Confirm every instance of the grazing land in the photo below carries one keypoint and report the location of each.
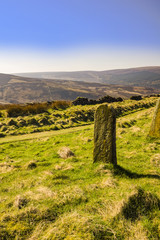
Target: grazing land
(45, 195)
(24, 119)
(16, 89)
(142, 76)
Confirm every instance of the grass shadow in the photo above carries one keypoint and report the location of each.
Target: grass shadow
(140, 204)
(120, 171)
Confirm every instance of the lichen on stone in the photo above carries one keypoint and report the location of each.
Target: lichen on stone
(155, 125)
(105, 135)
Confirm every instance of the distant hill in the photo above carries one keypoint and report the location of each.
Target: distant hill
(16, 89)
(143, 76)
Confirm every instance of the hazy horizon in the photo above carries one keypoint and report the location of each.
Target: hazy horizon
(89, 70)
(38, 36)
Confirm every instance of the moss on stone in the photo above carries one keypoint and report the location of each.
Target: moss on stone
(155, 126)
(105, 135)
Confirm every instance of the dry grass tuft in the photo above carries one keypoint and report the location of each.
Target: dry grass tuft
(71, 194)
(152, 146)
(63, 166)
(101, 169)
(31, 165)
(65, 152)
(135, 129)
(38, 231)
(155, 159)
(41, 193)
(46, 191)
(20, 201)
(5, 167)
(140, 204)
(109, 182)
(136, 231)
(74, 225)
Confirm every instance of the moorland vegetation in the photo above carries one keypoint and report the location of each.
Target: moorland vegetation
(45, 194)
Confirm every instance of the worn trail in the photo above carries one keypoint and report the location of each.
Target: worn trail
(39, 135)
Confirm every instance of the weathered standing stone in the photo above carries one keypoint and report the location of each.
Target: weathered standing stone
(105, 135)
(155, 126)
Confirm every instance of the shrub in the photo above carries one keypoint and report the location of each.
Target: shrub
(85, 101)
(15, 110)
(136, 98)
(80, 101)
(60, 104)
(24, 110)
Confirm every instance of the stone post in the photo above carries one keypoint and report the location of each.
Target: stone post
(105, 135)
(155, 125)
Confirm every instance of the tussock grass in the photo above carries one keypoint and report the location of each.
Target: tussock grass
(65, 152)
(38, 117)
(73, 198)
(15, 110)
(139, 204)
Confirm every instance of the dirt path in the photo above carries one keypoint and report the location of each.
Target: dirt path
(42, 134)
(38, 135)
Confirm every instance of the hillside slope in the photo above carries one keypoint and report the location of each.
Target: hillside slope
(15, 89)
(44, 196)
(143, 76)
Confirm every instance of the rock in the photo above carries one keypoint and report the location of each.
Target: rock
(155, 126)
(105, 135)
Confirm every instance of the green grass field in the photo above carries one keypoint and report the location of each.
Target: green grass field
(44, 196)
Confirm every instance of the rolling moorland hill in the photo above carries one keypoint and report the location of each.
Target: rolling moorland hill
(47, 195)
(16, 89)
(142, 76)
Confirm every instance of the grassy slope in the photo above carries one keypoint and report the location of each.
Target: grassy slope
(73, 116)
(75, 199)
(14, 89)
(142, 76)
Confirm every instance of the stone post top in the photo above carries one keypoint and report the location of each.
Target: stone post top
(105, 106)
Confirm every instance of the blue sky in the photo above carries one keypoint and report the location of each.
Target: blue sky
(69, 35)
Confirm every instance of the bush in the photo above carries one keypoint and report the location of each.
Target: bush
(15, 110)
(85, 101)
(60, 104)
(137, 98)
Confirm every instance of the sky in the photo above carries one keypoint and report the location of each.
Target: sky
(70, 35)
